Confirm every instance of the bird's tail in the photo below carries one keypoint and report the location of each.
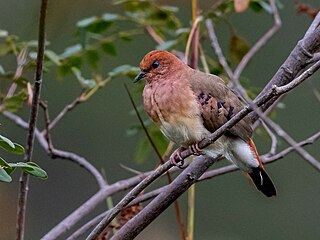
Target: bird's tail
(260, 177)
(263, 182)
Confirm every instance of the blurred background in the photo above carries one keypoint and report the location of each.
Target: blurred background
(227, 207)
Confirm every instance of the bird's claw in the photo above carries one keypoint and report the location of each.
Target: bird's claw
(177, 155)
(194, 148)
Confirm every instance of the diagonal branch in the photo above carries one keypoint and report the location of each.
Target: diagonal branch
(204, 143)
(259, 44)
(266, 159)
(298, 59)
(165, 198)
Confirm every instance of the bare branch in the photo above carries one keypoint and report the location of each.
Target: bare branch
(297, 60)
(91, 203)
(204, 143)
(154, 35)
(129, 197)
(266, 159)
(262, 41)
(216, 47)
(66, 109)
(274, 140)
(24, 178)
(165, 198)
(56, 153)
(194, 28)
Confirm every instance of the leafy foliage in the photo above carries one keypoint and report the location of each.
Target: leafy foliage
(6, 169)
(98, 36)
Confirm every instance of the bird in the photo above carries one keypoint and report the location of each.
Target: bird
(188, 105)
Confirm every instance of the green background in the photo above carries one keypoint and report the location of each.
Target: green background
(227, 207)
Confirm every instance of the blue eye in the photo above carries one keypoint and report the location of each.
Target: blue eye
(155, 64)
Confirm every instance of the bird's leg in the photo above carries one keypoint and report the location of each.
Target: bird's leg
(194, 148)
(177, 155)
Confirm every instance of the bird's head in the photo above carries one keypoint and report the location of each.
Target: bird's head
(158, 65)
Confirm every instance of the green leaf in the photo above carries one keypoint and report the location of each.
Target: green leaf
(238, 48)
(4, 49)
(3, 163)
(109, 17)
(2, 71)
(71, 51)
(34, 43)
(15, 102)
(3, 33)
(30, 168)
(259, 6)
(86, 22)
(134, 6)
(109, 48)
(53, 57)
(4, 176)
(18, 149)
(86, 83)
(6, 142)
(143, 150)
(95, 24)
(124, 70)
(93, 57)
(35, 170)
(69, 63)
(167, 45)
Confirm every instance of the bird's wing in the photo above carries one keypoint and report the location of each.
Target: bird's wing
(218, 104)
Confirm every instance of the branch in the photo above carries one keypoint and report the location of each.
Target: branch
(266, 159)
(24, 178)
(259, 44)
(171, 192)
(91, 203)
(298, 59)
(129, 197)
(66, 109)
(56, 153)
(204, 143)
(133, 227)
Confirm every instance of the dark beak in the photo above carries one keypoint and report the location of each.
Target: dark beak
(140, 76)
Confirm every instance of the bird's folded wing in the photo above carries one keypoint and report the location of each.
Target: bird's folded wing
(218, 104)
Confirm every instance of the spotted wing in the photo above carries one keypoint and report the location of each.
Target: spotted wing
(218, 104)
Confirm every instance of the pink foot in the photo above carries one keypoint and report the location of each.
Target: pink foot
(194, 148)
(176, 156)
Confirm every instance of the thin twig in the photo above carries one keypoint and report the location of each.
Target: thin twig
(154, 35)
(273, 138)
(297, 60)
(56, 153)
(128, 198)
(176, 203)
(216, 47)
(46, 134)
(262, 41)
(193, 30)
(24, 179)
(66, 109)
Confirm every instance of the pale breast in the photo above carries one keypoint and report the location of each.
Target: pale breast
(174, 109)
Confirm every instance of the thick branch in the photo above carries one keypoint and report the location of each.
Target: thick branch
(24, 179)
(204, 143)
(165, 198)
